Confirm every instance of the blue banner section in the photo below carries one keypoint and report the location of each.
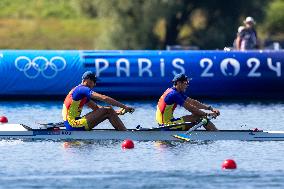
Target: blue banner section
(143, 73)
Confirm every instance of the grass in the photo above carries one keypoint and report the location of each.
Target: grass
(50, 33)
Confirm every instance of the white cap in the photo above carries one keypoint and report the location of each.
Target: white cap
(249, 19)
(240, 29)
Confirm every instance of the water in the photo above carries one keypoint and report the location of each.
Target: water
(103, 164)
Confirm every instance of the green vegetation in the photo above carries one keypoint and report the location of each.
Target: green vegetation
(133, 24)
(274, 23)
(39, 9)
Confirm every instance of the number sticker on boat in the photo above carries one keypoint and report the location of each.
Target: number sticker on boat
(66, 132)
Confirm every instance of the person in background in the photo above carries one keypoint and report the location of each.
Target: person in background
(176, 96)
(83, 94)
(247, 39)
(240, 29)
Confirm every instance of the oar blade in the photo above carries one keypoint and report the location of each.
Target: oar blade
(184, 137)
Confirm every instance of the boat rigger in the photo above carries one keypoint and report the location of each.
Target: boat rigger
(19, 131)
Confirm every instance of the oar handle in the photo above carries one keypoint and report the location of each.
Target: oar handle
(123, 111)
(204, 121)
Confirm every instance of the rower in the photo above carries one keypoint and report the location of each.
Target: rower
(83, 94)
(176, 96)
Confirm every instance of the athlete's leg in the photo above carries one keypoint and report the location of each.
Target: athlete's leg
(98, 116)
(210, 127)
(194, 118)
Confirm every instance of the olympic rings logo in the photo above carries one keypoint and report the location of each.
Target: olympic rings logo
(40, 65)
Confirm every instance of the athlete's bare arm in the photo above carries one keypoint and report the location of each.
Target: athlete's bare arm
(197, 104)
(111, 101)
(200, 105)
(196, 111)
(91, 104)
(193, 109)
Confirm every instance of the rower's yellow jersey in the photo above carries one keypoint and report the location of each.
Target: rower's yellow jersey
(72, 108)
(167, 104)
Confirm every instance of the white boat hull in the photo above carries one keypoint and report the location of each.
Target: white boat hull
(17, 131)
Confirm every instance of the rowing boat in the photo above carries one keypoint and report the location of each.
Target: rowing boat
(20, 131)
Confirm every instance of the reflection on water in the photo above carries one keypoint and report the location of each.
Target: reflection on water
(90, 143)
(178, 144)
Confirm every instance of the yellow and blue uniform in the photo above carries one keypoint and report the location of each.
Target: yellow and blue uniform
(72, 108)
(167, 104)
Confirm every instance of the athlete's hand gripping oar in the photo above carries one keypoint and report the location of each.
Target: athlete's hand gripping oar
(185, 135)
(123, 111)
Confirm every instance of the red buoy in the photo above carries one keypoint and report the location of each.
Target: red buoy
(127, 144)
(3, 119)
(229, 164)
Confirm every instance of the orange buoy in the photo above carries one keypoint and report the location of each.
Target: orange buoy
(229, 164)
(3, 119)
(127, 144)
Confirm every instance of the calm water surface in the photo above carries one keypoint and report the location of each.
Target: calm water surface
(103, 164)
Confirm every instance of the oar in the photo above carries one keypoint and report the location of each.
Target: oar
(165, 126)
(50, 125)
(185, 135)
